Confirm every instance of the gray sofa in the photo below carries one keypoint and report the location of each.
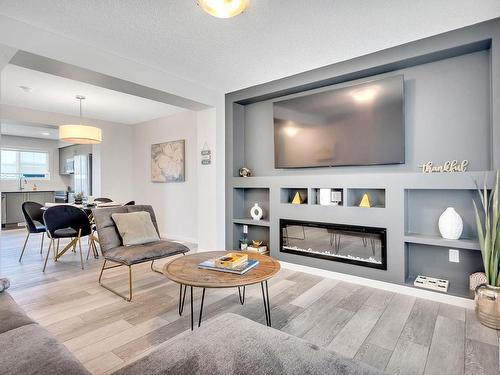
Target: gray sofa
(227, 344)
(27, 348)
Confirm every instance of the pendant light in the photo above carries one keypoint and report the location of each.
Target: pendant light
(223, 8)
(80, 134)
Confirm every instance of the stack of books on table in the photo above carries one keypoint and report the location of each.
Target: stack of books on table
(233, 263)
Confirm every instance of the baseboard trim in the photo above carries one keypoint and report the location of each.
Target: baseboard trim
(420, 293)
(175, 237)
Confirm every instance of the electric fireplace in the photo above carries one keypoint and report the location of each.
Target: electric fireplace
(360, 245)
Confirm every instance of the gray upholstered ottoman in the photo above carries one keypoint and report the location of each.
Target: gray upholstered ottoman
(231, 344)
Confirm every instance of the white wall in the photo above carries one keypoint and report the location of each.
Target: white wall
(112, 173)
(175, 203)
(207, 191)
(56, 182)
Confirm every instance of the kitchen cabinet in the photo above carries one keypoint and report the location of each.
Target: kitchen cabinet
(12, 202)
(4, 209)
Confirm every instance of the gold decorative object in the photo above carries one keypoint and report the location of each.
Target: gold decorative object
(365, 201)
(446, 167)
(297, 199)
(256, 243)
(245, 172)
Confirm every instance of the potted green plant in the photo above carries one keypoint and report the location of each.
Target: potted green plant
(487, 222)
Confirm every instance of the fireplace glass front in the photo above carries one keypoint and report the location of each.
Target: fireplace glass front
(365, 246)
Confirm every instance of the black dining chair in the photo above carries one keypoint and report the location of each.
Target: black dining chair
(66, 222)
(103, 200)
(33, 217)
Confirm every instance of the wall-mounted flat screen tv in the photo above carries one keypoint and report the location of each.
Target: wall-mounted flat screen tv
(362, 124)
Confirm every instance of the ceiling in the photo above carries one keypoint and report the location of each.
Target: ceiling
(272, 39)
(57, 94)
(32, 130)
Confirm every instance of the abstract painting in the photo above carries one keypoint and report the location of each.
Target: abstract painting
(167, 162)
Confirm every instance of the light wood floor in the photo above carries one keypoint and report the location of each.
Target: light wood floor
(398, 333)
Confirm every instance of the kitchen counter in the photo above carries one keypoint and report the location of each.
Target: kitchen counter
(28, 191)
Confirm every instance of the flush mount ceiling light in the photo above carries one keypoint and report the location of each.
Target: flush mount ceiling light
(80, 134)
(223, 8)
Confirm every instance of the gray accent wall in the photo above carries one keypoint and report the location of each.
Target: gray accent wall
(452, 111)
(447, 103)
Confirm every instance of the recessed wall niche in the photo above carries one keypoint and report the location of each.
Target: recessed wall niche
(450, 93)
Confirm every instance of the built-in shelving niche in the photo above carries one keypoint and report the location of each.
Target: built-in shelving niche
(376, 197)
(427, 253)
(424, 206)
(336, 197)
(433, 261)
(287, 194)
(255, 232)
(243, 200)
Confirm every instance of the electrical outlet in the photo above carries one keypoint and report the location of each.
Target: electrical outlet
(245, 229)
(453, 255)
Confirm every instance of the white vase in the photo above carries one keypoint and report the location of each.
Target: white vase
(450, 224)
(256, 212)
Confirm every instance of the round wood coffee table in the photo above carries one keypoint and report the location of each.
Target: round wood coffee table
(185, 272)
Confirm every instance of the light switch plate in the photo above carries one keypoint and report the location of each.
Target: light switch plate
(245, 229)
(454, 256)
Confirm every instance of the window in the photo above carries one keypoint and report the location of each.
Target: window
(24, 163)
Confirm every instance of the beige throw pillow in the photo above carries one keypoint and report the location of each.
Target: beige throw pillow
(135, 228)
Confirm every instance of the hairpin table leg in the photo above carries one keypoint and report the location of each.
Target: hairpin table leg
(241, 295)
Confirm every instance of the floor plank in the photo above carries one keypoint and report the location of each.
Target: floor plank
(452, 312)
(390, 325)
(314, 293)
(478, 332)
(373, 355)
(408, 358)
(354, 333)
(480, 358)
(420, 324)
(447, 349)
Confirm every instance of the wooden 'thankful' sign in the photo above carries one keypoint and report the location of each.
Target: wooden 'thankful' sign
(446, 167)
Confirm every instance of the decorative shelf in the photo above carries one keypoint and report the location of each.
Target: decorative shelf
(454, 289)
(376, 197)
(423, 239)
(245, 198)
(316, 193)
(260, 223)
(287, 195)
